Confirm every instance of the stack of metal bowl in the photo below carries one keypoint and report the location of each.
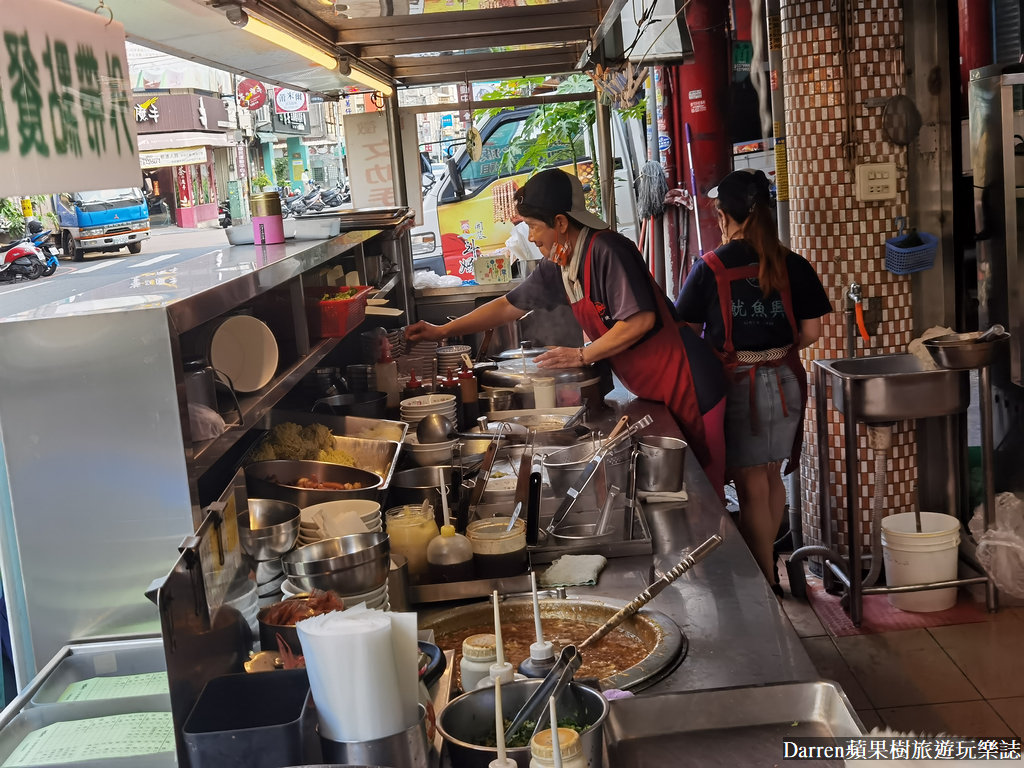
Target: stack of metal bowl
(347, 565)
(268, 529)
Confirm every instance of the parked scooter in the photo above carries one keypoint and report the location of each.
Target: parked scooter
(21, 260)
(308, 202)
(42, 239)
(224, 214)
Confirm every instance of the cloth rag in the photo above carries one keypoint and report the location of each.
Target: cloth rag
(918, 350)
(573, 571)
(663, 497)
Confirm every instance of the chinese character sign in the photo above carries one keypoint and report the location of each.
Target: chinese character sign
(67, 123)
(369, 160)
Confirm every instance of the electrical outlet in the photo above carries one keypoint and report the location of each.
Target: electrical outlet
(876, 181)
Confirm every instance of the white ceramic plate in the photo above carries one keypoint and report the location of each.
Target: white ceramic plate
(244, 349)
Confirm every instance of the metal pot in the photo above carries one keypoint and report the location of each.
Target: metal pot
(469, 719)
(659, 464)
(369, 405)
(268, 480)
(413, 486)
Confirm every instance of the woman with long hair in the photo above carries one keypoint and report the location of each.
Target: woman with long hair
(759, 304)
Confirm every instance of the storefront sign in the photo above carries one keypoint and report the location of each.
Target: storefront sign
(369, 157)
(252, 94)
(171, 112)
(147, 110)
(168, 157)
(287, 100)
(66, 121)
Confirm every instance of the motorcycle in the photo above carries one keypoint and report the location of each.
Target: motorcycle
(224, 214)
(308, 202)
(21, 260)
(42, 239)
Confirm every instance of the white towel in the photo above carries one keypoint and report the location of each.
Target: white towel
(663, 497)
(573, 571)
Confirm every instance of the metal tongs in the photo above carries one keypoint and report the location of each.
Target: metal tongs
(556, 680)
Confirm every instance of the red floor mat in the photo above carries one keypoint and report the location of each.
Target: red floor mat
(880, 616)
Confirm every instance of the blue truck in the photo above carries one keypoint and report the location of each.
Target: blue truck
(101, 221)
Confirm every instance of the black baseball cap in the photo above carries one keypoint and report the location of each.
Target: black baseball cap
(740, 191)
(555, 191)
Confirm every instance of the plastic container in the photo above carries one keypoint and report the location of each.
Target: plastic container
(411, 529)
(921, 558)
(335, 318)
(544, 392)
(496, 552)
(570, 747)
(267, 224)
(449, 557)
(255, 721)
(478, 653)
(540, 661)
(386, 371)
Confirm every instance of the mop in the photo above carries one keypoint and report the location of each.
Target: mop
(650, 192)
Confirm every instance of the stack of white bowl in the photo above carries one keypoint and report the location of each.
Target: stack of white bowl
(244, 599)
(378, 598)
(429, 454)
(331, 513)
(415, 409)
(450, 358)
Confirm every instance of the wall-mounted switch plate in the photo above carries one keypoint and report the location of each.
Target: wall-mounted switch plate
(876, 181)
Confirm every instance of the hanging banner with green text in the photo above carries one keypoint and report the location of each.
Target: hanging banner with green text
(65, 116)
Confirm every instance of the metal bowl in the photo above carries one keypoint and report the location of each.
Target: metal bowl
(469, 719)
(274, 480)
(414, 486)
(348, 565)
(268, 529)
(960, 351)
(371, 405)
(582, 533)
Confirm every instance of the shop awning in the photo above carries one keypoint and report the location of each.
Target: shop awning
(182, 139)
(162, 158)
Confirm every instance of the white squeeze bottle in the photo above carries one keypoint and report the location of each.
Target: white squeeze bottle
(387, 376)
(450, 555)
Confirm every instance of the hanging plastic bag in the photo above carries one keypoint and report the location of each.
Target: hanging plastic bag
(519, 244)
(1001, 548)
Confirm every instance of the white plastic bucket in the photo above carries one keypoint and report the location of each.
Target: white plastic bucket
(920, 558)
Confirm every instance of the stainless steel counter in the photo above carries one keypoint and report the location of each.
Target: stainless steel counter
(738, 634)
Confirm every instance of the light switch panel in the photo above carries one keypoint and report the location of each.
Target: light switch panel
(876, 181)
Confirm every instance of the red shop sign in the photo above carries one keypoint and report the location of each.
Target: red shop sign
(252, 94)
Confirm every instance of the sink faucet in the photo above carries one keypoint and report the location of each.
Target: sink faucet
(855, 318)
(854, 293)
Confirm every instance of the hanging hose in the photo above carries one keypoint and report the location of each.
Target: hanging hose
(880, 440)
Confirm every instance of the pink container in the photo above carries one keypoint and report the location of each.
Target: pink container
(267, 224)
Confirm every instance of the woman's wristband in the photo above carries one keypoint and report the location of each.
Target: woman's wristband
(580, 353)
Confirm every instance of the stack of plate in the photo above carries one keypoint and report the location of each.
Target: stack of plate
(324, 521)
(244, 349)
(396, 339)
(450, 358)
(378, 598)
(419, 357)
(245, 600)
(414, 409)
(269, 577)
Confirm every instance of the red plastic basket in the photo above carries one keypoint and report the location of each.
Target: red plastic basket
(336, 317)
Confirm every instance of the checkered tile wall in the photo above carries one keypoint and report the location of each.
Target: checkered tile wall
(837, 67)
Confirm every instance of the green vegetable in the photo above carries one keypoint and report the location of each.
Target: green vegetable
(346, 294)
(521, 738)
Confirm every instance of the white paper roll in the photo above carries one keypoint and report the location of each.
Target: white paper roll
(351, 665)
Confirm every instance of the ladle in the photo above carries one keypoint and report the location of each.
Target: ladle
(991, 334)
(437, 428)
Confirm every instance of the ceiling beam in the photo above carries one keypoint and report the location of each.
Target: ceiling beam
(447, 19)
(509, 38)
(413, 32)
(492, 70)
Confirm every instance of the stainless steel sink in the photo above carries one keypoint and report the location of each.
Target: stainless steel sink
(886, 388)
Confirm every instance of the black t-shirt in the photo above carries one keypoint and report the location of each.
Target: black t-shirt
(621, 283)
(757, 322)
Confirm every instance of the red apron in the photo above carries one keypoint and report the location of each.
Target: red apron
(724, 277)
(654, 369)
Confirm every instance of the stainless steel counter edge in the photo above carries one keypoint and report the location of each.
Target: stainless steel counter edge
(738, 633)
(485, 289)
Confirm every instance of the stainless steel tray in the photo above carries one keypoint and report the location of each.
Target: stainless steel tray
(728, 726)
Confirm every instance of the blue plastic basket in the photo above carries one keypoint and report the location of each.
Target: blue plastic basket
(903, 261)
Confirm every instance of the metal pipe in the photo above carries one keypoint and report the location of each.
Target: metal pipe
(605, 163)
(852, 511)
(988, 469)
(397, 157)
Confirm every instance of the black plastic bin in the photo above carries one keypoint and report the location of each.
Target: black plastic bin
(261, 720)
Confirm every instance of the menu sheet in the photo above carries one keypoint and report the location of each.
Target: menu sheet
(95, 738)
(116, 687)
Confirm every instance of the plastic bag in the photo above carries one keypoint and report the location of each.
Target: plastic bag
(1001, 548)
(424, 278)
(519, 244)
(204, 422)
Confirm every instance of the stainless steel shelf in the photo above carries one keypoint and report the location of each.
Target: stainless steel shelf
(255, 407)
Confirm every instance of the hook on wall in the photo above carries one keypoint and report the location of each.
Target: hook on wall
(103, 7)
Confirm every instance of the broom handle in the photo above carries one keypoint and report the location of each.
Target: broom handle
(693, 188)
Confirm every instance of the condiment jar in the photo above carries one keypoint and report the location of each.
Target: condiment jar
(570, 747)
(449, 557)
(410, 529)
(497, 552)
(540, 661)
(478, 653)
(386, 371)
